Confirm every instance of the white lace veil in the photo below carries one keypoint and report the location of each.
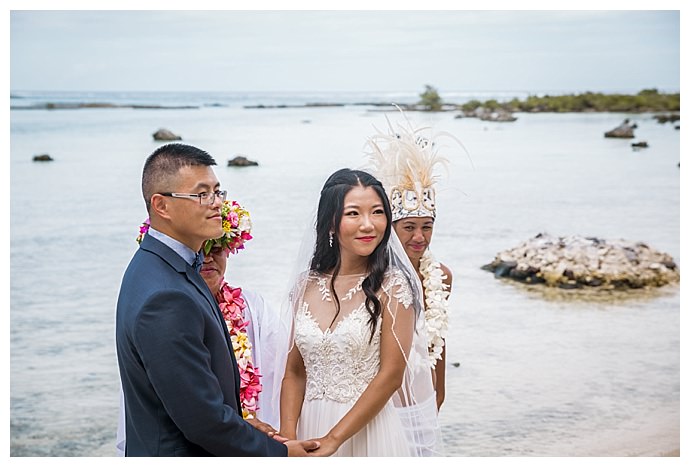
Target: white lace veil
(415, 401)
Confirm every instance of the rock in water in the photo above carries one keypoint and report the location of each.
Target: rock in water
(43, 158)
(241, 161)
(624, 130)
(165, 135)
(579, 262)
(667, 118)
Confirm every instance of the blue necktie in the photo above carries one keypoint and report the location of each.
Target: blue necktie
(198, 261)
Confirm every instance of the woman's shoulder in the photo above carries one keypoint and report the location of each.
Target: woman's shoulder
(430, 265)
(396, 278)
(394, 274)
(304, 280)
(396, 285)
(447, 272)
(308, 276)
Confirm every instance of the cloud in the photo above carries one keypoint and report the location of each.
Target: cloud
(343, 50)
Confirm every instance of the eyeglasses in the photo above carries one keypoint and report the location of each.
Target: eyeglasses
(205, 199)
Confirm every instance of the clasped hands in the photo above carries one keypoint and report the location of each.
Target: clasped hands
(320, 447)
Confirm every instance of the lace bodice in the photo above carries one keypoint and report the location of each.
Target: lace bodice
(339, 363)
(339, 359)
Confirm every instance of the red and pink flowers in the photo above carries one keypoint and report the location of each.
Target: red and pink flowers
(237, 225)
(232, 306)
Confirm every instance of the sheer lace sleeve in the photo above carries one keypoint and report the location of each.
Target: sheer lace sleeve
(415, 401)
(397, 302)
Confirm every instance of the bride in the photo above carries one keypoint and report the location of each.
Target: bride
(357, 378)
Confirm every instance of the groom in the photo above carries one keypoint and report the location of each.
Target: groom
(179, 373)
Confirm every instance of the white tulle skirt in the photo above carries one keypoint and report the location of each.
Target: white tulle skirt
(382, 436)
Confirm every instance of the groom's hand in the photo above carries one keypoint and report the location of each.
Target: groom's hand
(299, 448)
(263, 427)
(278, 437)
(267, 429)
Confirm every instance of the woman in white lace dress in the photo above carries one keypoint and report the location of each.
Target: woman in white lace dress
(353, 375)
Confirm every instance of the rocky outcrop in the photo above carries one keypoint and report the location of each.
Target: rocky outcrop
(585, 262)
(43, 158)
(488, 115)
(624, 130)
(93, 105)
(667, 118)
(166, 135)
(241, 161)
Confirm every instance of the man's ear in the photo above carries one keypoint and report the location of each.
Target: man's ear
(160, 206)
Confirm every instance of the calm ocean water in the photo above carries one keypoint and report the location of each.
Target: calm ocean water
(538, 374)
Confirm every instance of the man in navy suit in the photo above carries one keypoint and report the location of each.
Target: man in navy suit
(179, 373)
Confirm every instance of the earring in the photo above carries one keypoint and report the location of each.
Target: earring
(330, 239)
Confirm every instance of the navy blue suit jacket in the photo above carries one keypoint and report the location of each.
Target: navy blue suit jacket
(178, 371)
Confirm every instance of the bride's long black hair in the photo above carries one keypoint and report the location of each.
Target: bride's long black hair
(327, 259)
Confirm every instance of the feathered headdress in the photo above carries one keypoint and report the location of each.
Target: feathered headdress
(404, 159)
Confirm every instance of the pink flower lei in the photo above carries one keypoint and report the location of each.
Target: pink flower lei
(232, 306)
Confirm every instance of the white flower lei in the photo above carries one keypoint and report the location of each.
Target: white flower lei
(435, 305)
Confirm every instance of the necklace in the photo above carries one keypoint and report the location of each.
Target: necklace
(435, 305)
(232, 306)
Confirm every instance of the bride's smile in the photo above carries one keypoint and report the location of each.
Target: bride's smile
(362, 225)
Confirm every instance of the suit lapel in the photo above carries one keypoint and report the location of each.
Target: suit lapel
(180, 265)
(196, 279)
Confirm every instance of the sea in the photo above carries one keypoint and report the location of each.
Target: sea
(531, 371)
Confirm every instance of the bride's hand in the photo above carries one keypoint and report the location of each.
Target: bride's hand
(327, 446)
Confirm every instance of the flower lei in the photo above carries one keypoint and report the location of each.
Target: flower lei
(436, 305)
(237, 225)
(232, 306)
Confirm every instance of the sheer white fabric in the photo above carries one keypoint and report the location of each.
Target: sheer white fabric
(262, 332)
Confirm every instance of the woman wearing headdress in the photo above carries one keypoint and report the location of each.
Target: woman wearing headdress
(250, 321)
(355, 375)
(404, 160)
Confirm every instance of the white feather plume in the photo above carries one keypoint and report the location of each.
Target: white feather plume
(404, 155)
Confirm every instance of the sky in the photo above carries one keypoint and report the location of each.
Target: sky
(358, 51)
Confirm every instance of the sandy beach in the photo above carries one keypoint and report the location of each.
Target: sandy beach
(661, 438)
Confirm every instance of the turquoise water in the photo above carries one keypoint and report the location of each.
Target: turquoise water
(538, 375)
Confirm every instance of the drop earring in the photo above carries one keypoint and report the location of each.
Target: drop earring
(330, 239)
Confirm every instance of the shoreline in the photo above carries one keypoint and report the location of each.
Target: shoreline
(379, 107)
(646, 101)
(97, 105)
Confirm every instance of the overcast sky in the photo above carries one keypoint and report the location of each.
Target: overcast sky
(570, 51)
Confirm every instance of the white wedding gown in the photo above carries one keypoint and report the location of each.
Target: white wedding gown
(340, 361)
